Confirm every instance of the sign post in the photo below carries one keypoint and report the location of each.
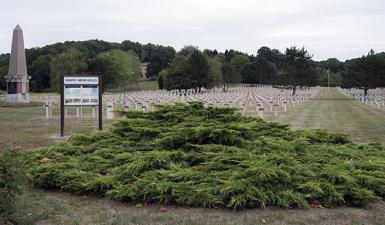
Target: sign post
(80, 91)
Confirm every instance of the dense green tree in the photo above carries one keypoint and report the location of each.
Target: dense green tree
(3, 73)
(249, 73)
(199, 69)
(133, 46)
(230, 76)
(190, 69)
(4, 61)
(119, 69)
(188, 50)
(41, 73)
(211, 53)
(260, 71)
(366, 72)
(299, 70)
(238, 61)
(274, 56)
(332, 65)
(266, 70)
(215, 76)
(229, 54)
(158, 58)
(262, 68)
(179, 74)
(70, 62)
(160, 79)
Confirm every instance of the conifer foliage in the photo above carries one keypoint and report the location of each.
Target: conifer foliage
(189, 155)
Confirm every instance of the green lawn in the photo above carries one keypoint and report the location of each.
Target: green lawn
(148, 85)
(27, 128)
(333, 111)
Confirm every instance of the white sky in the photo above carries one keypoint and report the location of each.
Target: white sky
(327, 28)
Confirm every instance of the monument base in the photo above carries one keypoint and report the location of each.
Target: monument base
(17, 98)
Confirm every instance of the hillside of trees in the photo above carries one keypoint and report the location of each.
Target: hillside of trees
(191, 68)
(45, 64)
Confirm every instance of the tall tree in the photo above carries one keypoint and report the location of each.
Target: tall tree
(215, 76)
(211, 53)
(366, 72)
(119, 69)
(271, 55)
(158, 58)
(199, 69)
(70, 62)
(332, 65)
(229, 75)
(238, 61)
(266, 70)
(260, 71)
(4, 61)
(178, 76)
(249, 73)
(188, 50)
(162, 74)
(299, 70)
(40, 73)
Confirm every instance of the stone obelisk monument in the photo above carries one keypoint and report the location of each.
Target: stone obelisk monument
(17, 79)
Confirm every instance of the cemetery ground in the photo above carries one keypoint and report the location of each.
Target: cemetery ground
(331, 110)
(26, 128)
(148, 85)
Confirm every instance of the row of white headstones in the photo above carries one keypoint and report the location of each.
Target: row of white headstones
(374, 97)
(250, 100)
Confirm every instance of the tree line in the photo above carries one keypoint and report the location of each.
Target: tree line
(195, 69)
(191, 68)
(119, 63)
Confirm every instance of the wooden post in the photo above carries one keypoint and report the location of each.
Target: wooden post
(100, 103)
(62, 106)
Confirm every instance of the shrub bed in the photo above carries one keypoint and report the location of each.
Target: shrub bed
(11, 181)
(189, 155)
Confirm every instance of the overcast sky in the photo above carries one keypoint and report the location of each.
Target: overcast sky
(326, 28)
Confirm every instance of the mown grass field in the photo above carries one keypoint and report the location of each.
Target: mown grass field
(148, 85)
(333, 111)
(27, 128)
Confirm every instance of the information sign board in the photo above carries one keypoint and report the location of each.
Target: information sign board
(80, 91)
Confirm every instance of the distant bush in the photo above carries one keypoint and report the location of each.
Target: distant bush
(193, 156)
(10, 183)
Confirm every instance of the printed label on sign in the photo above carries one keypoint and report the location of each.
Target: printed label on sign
(81, 80)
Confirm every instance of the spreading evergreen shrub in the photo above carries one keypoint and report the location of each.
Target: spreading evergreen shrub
(11, 179)
(209, 157)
